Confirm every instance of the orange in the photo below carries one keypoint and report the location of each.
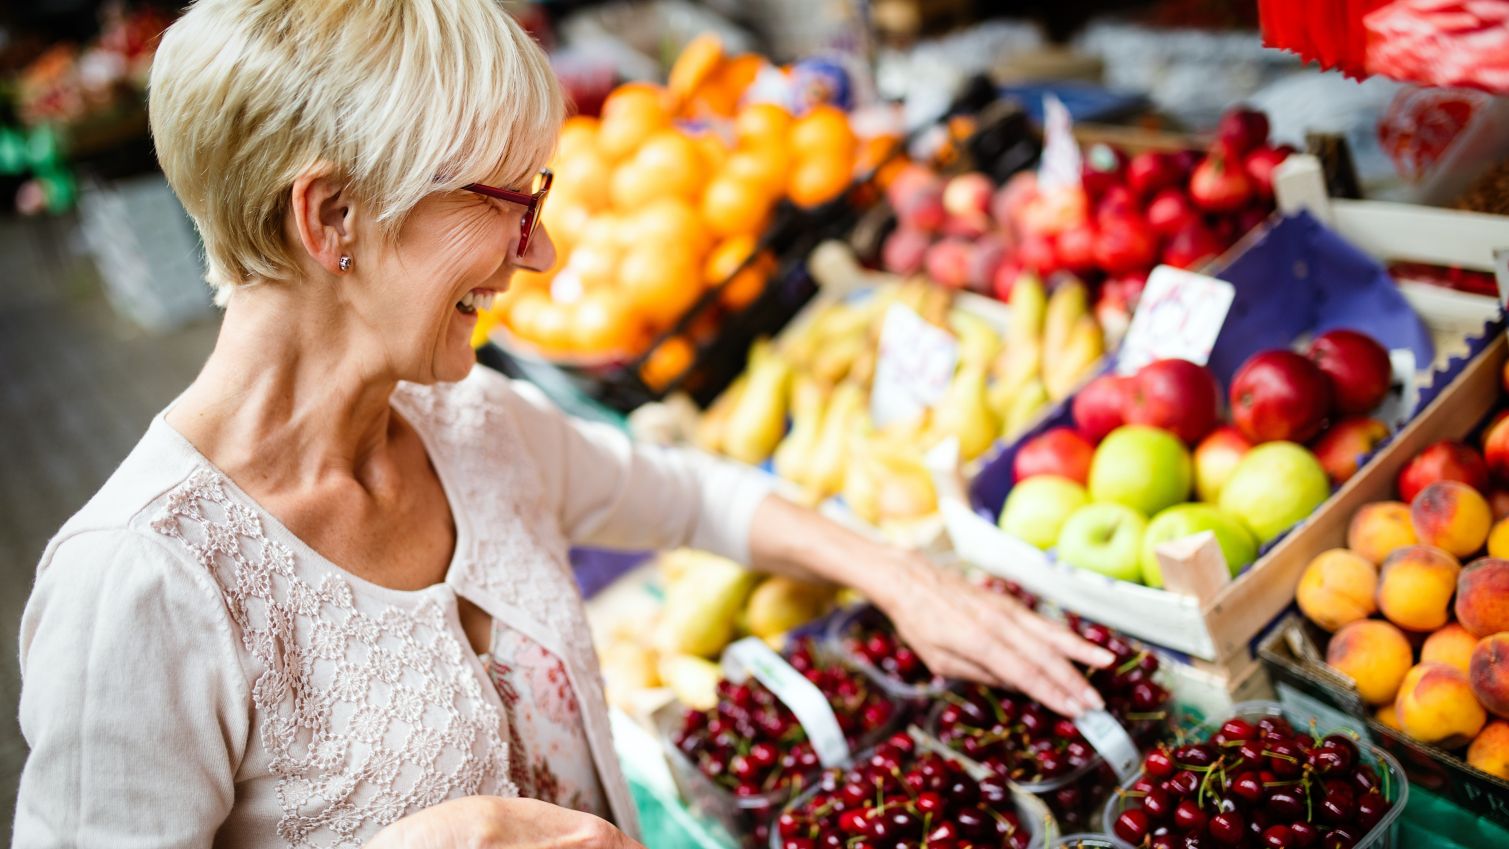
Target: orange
(824, 128)
(606, 230)
(605, 323)
(733, 205)
(674, 161)
(668, 361)
(662, 280)
(524, 312)
(633, 188)
(668, 221)
(578, 133)
(820, 178)
(736, 74)
(763, 122)
(725, 259)
(767, 165)
(698, 61)
(714, 151)
(565, 220)
(584, 175)
(552, 327)
(620, 137)
(595, 264)
(643, 99)
(876, 151)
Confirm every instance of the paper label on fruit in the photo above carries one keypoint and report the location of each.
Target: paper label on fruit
(913, 370)
(1060, 165)
(750, 656)
(1112, 741)
(1179, 316)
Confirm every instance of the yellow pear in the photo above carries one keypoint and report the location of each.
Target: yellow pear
(979, 341)
(1073, 362)
(759, 419)
(793, 457)
(1019, 363)
(1069, 301)
(693, 680)
(1029, 300)
(779, 604)
(1024, 408)
(845, 408)
(964, 412)
(708, 434)
(702, 606)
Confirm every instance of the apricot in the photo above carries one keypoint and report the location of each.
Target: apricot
(1388, 717)
(1379, 529)
(1337, 588)
(1498, 539)
(1483, 596)
(1488, 673)
(1451, 516)
(1415, 587)
(1489, 751)
(1436, 705)
(1451, 645)
(1375, 655)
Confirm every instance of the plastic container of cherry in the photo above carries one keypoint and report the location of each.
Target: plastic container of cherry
(1048, 755)
(740, 761)
(868, 641)
(910, 791)
(1263, 778)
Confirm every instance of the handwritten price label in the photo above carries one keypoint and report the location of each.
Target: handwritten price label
(913, 370)
(1180, 315)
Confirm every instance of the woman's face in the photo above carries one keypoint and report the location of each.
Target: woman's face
(454, 253)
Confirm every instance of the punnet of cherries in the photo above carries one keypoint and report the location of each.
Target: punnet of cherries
(751, 744)
(870, 637)
(1029, 744)
(898, 797)
(1254, 783)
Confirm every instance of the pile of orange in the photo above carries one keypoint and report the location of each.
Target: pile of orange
(646, 216)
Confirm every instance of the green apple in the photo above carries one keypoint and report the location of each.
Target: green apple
(1104, 538)
(1275, 486)
(1037, 507)
(1144, 468)
(1185, 520)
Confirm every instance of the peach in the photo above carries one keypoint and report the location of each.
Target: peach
(1489, 751)
(1388, 717)
(1451, 645)
(1415, 587)
(1375, 655)
(1499, 539)
(1488, 673)
(904, 250)
(1436, 705)
(1451, 516)
(947, 263)
(1483, 596)
(1379, 529)
(1337, 588)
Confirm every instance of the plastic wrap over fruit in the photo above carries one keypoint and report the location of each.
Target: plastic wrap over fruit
(1441, 43)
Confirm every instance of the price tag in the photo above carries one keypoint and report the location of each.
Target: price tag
(1112, 741)
(1060, 165)
(914, 367)
(750, 656)
(1180, 315)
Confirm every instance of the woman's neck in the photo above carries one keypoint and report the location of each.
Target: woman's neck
(294, 391)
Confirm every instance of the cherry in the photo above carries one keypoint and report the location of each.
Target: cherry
(1286, 803)
(1278, 837)
(1184, 783)
(1189, 817)
(1132, 825)
(1158, 803)
(1158, 763)
(1238, 729)
(1285, 759)
(1339, 838)
(1248, 787)
(1371, 806)
(1228, 828)
(1305, 834)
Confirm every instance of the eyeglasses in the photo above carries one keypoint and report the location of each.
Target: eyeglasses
(532, 201)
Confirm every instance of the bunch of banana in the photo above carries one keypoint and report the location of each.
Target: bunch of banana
(1052, 344)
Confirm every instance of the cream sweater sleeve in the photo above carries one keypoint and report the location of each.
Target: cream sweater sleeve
(614, 493)
(133, 699)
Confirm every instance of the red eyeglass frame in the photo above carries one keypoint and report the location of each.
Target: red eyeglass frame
(532, 202)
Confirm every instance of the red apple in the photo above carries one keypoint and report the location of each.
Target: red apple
(1100, 407)
(1171, 211)
(1345, 442)
(1259, 165)
(1150, 171)
(1492, 423)
(1009, 201)
(1215, 458)
(1176, 395)
(1443, 461)
(947, 262)
(1358, 368)
(1005, 278)
(1126, 246)
(1496, 449)
(1116, 205)
(1103, 167)
(1280, 395)
(1076, 248)
(1039, 253)
(1219, 184)
(1059, 451)
(904, 250)
(1191, 246)
(1242, 130)
(968, 195)
(920, 207)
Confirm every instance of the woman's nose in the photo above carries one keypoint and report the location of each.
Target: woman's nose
(541, 253)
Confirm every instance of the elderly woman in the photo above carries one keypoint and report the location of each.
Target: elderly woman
(325, 601)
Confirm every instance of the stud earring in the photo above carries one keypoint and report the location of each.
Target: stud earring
(345, 263)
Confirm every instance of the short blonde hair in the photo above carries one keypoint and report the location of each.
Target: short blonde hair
(402, 97)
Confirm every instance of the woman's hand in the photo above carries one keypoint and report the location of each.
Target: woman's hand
(490, 822)
(963, 631)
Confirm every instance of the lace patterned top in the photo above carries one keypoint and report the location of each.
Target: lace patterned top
(194, 675)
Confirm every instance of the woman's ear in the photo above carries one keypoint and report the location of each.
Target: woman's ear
(322, 217)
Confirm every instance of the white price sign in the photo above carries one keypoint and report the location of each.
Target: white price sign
(1180, 315)
(750, 656)
(915, 365)
(1060, 165)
